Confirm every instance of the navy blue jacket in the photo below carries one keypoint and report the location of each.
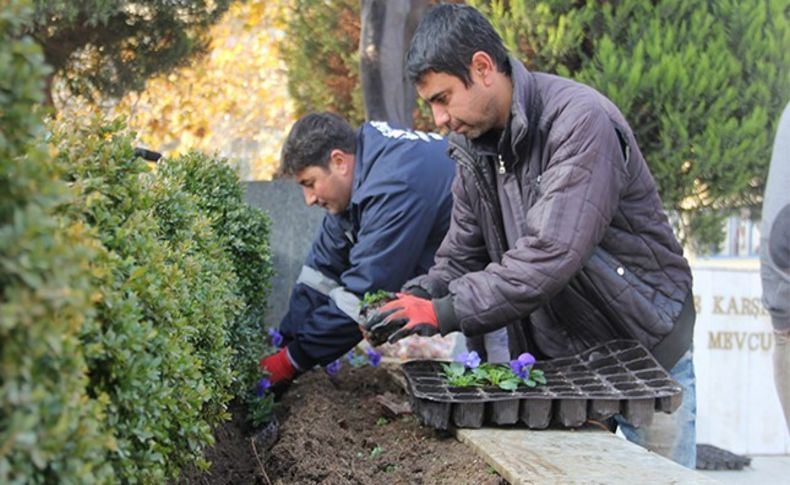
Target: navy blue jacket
(397, 217)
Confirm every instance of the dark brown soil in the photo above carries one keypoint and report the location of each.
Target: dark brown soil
(333, 430)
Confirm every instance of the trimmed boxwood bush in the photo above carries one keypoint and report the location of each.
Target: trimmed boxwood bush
(244, 232)
(51, 430)
(149, 333)
(131, 300)
(157, 347)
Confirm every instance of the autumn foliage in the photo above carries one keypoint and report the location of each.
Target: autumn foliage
(233, 101)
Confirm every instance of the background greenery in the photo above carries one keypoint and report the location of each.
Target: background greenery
(702, 83)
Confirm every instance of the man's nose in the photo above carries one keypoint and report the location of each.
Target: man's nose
(309, 196)
(440, 116)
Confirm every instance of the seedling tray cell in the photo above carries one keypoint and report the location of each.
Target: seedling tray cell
(618, 377)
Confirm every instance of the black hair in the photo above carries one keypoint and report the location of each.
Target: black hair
(311, 140)
(447, 38)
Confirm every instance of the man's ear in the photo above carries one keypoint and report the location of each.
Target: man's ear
(340, 161)
(482, 68)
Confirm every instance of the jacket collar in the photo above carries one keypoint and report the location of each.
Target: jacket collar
(521, 106)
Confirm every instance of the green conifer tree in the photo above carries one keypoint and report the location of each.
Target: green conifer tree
(702, 83)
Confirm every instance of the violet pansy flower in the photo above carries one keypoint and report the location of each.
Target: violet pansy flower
(277, 337)
(522, 365)
(374, 357)
(262, 386)
(470, 360)
(333, 368)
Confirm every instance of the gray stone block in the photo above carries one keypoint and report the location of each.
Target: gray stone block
(294, 226)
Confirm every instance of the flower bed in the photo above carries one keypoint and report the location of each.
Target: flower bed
(334, 429)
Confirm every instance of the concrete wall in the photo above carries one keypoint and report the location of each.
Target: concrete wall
(737, 405)
(294, 225)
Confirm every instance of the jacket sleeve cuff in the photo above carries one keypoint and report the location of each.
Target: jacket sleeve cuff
(298, 358)
(781, 322)
(417, 291)
(445, 313)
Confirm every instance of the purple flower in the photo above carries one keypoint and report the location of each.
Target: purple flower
(261, 386)
(350, 356)
(470, 359)
(333, 368)
(522, 365)
(277, 337)
(374, 357)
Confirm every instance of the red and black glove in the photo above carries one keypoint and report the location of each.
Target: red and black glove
(279, 367)
(404, 316)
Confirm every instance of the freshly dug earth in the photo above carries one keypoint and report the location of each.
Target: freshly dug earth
(334, 430)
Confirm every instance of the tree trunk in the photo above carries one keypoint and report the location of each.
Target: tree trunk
(49, 99)
(387, 29)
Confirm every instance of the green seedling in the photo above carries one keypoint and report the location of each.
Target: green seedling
(467, 370)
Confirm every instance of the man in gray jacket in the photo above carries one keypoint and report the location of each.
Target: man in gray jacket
(558, 239)
(775, 257)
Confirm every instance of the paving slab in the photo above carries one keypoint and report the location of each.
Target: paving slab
(763, 470)
(584, 456)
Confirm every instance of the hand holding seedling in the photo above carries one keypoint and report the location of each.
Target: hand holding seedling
(404, 316)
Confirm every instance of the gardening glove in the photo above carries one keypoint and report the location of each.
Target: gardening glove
(279, 367)
(404, 316)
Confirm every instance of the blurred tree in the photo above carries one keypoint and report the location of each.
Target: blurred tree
(233, 101)
(554, 36)
(113, 46)
(321, 51)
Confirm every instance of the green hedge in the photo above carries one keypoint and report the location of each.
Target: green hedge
(144, 345)
(50, 427)
(131, 299)
(244, 231)
(182, 264)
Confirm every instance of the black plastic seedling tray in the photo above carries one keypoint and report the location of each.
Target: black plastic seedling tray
(618, 377)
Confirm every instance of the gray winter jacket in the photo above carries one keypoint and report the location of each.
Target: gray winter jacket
(558, 232)
(775, 234)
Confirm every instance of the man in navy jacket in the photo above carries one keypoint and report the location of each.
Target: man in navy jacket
(387, 194)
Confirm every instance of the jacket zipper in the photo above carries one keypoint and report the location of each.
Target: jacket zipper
(501, 165)
(465, 160)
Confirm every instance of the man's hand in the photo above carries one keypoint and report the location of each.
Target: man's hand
(279, 367)
(404, 316)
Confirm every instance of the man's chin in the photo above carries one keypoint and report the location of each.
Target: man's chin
(470, 134)
(467, 131)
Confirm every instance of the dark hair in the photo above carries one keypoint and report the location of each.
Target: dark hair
(311, 139)
(447, 38)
